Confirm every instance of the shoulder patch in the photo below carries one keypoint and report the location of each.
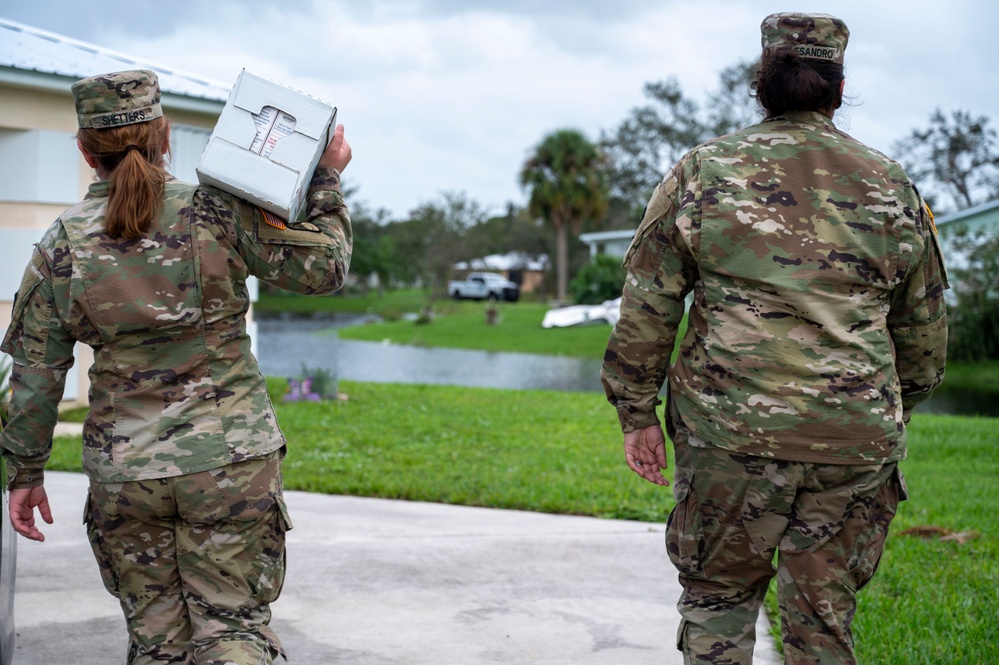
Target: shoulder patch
(929, 213)
(659, 205)
(935, 239)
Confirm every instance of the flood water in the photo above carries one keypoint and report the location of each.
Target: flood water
(284, 345)
(957, 401)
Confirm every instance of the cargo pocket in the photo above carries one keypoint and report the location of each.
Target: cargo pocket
(681, 636)
(105, 562)
(683, 528)
(867, 557)
(903, 491)
(268, 580)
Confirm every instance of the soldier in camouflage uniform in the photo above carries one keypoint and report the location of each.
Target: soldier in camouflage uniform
(817, 323)
(185, 510)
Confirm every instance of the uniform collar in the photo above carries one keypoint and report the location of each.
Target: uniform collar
(100, 188)
(806, 117)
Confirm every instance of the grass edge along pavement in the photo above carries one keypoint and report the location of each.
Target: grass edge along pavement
(931, 602)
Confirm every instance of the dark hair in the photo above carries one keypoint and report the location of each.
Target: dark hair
(787, 82)
(131, 157)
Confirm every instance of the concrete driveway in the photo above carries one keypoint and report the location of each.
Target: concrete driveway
(378, 582)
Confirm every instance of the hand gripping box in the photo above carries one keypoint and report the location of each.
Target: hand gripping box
(266, 145)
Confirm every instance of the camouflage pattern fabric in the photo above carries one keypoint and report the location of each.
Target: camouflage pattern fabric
(116, 99)
(818, 320)
(195, 560)
(828, 523)
(174, 386)
(815, 36)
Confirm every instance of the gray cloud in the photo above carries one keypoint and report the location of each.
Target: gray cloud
(620, 10)
(146, 18)
(451, 94)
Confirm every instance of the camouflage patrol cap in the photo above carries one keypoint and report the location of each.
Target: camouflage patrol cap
(816, 36)
(116, 99)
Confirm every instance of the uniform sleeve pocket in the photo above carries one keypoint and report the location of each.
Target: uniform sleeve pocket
(30, 282)
(268, 229)
(301, 233)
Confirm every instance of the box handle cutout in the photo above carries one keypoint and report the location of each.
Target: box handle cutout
(272, 124)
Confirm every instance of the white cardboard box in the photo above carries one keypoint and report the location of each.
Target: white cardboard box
(266, 145)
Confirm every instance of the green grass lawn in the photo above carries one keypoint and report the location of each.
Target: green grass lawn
(463, 326)
(931, 602)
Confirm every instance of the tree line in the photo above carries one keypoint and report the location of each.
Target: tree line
(576, 184)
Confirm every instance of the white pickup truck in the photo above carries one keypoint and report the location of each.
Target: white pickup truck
(484, 286)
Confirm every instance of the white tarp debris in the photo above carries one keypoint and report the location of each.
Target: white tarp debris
(607, 312)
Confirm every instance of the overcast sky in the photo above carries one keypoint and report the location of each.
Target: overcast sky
(451, 95)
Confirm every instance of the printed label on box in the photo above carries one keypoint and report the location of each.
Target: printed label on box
(273, 125)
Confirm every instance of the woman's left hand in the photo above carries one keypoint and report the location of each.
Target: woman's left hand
(338, 152)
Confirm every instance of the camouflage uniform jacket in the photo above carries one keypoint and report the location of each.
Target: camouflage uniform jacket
(174, 388)
(817, 319)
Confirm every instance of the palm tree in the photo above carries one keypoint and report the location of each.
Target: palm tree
(566, 185)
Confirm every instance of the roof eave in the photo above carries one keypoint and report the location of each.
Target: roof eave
(36, 80)
(961, 215)
(23, 78)
(171, 101)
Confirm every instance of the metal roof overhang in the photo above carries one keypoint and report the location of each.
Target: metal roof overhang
(34, 80)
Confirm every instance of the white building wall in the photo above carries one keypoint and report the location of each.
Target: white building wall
(38, 166)
(611, 243)
(41, 176)
(41, 170)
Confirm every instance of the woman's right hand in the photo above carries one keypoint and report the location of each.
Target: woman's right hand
(22, 511)
(337, 154)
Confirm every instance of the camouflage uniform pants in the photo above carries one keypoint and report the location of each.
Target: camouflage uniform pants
(195, 561)
(826, 523)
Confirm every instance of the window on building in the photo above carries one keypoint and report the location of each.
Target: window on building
(38, 166)
(186, 145)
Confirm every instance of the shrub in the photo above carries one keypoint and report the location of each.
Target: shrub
(973, 304)
(601, 279)
(313, 385)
